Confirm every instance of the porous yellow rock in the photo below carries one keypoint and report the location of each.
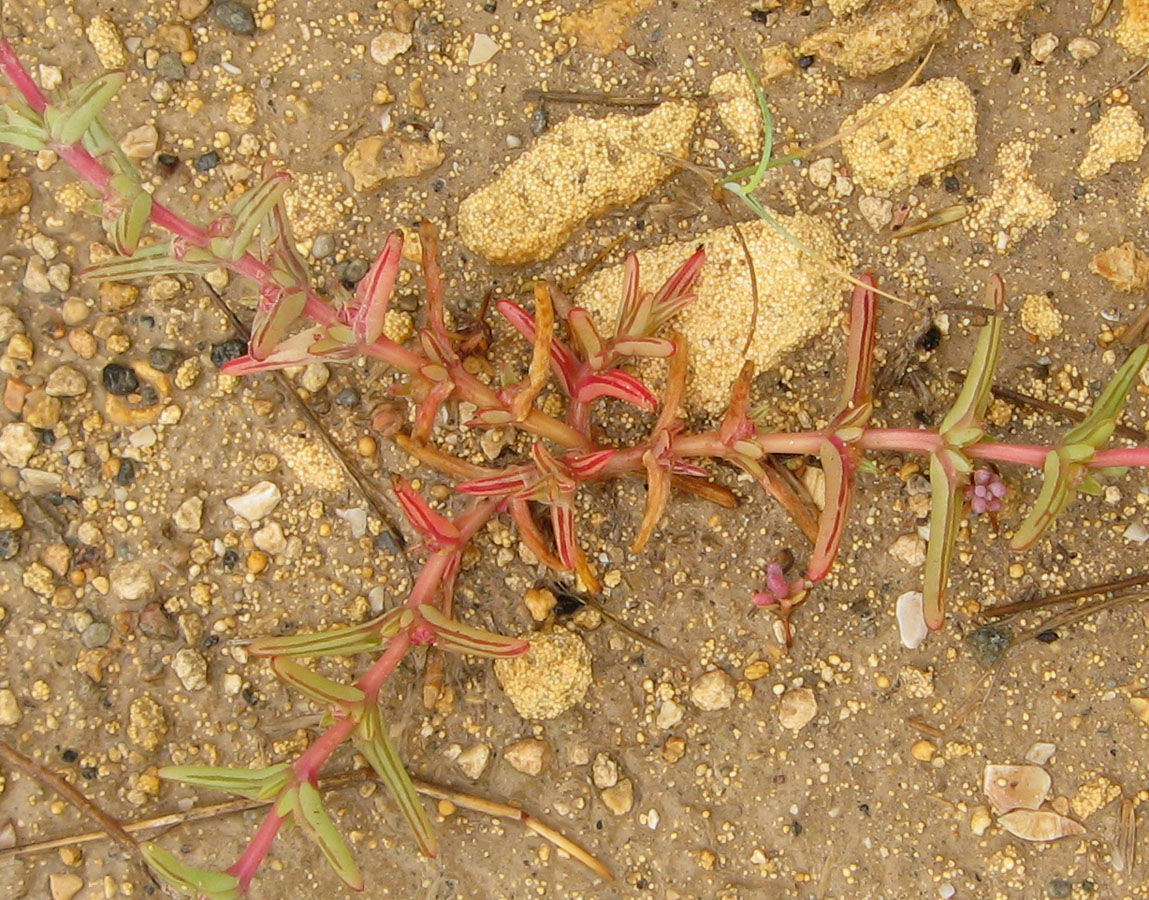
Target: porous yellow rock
(1016, 202)
(600, 28)
(738, 111)
(797, 298)
(1124, 266)
(105, 39)
(989, 13)
(1040, 317)
(580, 169)
(1132, 31)
(884, 36)
(1118, 136)
(927, 128)
(844, 7)
(550, 678)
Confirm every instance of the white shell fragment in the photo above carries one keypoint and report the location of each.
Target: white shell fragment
(1016, 787)
(1039, 825)
(912, 620)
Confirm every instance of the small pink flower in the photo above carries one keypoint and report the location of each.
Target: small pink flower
(985, 491)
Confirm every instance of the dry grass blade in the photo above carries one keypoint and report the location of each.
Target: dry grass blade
(536, 95)
(753, 274)
(923, 727)
(1073, 616)
(334, 782)
(937, 219)
(1125, 852)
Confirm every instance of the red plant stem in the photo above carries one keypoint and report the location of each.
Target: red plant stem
(256, 851)
(1022, 454)
(308, 766)
(901, 440)
(95, 173)
(1120, 456)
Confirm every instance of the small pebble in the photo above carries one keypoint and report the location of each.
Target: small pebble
(529, 756)
(119, 380)
(226, 351)
(712, 691)
(207, 161)
(798, 708)
(191, 669)
(256, 502)
(163, 359)
(620, 798)
(96, 635)
(235, 17)
(66, 382)
(473, 760)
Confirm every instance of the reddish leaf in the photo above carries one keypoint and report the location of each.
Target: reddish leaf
(839, 471)
(564, 363)
(657, 495)
(373, 293)
(618, 384)
(437, 530)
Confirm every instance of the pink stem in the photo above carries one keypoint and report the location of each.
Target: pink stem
(901, 440)
(95, 173)
(253, 856)
(1120, 456)
(1022, 454)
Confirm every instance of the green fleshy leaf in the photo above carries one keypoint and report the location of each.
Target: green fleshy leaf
(451, 634)
(129, 225)
(270, 326)
(767, 126)
(255, 784)
(962, 425)
(1056, 492)
(205, 884)
(948, 473)
(26, 139)
(1108, 407)
(312, 817)
(151, 262)
(334, 642)
(252, 209)
(375, 744)
(68, 121)
(319, 688)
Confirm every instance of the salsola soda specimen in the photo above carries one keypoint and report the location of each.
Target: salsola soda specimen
(294, 324)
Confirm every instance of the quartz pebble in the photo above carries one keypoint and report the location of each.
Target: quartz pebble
(529, 756)
(188, 516)
(10, 712)
(132, 581)
(18, 443)
(604, 771)
(191, 669)
(797, 708)
(256, 502)
(483, 49)
(911, 619)
(387, 45)
(619, 799)
(473, 760)
(66, 382)
(712, 691)
(64, 885)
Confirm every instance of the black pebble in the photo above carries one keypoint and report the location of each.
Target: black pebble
(235, 17)
(539, 120)
(119, 379)
(230, 558)
(207, 162)
(90, 772)
(127, 473)
(931, 339)
(1048, 637)
(347, 397)
(9, 544)
(226, 351)
(167, 162)
(69, 755)
(351, 272)
(804, 62)
(760, 16)
(952, 184)
(163, 358)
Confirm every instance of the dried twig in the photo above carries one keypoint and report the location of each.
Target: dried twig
(1011, 609)
(109, 826)
(536, 95)
(334, 782)
(1012, 396)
